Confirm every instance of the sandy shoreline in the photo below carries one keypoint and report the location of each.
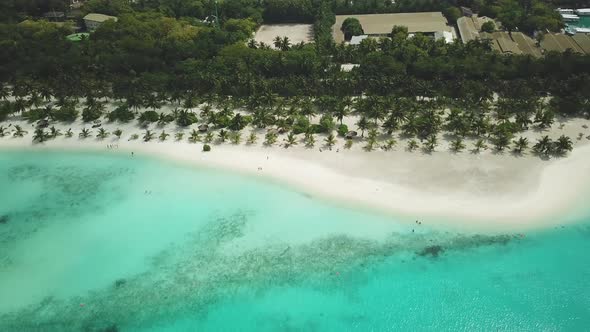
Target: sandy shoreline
(463, 191)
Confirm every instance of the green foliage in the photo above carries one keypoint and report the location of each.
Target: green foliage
(92, 113)
(399, 33)
(66, 113)
(270, 138)
(288, 11)
(301, 125)
(35, 114)
(351, 27)
(327, 124)
(240, 29)
(107, 7)
(5, 110)
(121, 113)
(488, 26)
(342, 130)
(149, 116)
(186, 118)
(452, 14)
(239, 122)
(206, 147)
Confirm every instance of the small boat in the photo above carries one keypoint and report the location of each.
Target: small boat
(583, 11)
(570, 17)
(565, 11)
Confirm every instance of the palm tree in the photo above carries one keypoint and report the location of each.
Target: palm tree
(4, 92)
(148, 136)
(363, 124)
(330, 140)
(252, 138)
(2, 131)
(208, 138)
(186, 118)
(69, 133)
(290, 140)
(371, 139)
(285, 44)
(195, 136)
(431, 143)
(457, 145)
(54, 132)
(163, 136)
(19, 131)
(412, 145)
(544, 119)
(252, 44)
(235, 137)
(84, 133)
(340, 112)
(102, 133)
(389, 144)
(178, 136)
(520, 145)
(543, 146)
(479, 144)
(309, 140)
(563, 144)
(348, 144)
(523, 121)
(222, 135)
(307, 109)
(118, 132)
(278, 42)
(39, 135)
(270, 138)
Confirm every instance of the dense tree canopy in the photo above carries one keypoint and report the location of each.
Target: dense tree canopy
(351, 27)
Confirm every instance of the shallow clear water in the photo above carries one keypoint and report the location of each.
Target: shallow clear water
(105, 242)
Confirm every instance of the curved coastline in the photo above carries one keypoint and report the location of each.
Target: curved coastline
(472, 193)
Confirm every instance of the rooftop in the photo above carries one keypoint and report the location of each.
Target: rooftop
(467, 29)
(99, 17)
(356, 40)
(560, 43)
(583, 40)
(381, 24)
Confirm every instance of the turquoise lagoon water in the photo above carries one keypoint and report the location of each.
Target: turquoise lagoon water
(106, 242)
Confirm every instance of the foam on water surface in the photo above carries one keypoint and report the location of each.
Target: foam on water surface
(95, 242)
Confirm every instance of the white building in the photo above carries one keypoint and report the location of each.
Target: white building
(356, 40)
(447, 36)
(94, 20)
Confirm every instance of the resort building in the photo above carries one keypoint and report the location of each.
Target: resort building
(54, 16)
(356, 40)
(470, 26)
(583, 40)
(515, 43)
(93, 20)
(560, 43)
(380, 25)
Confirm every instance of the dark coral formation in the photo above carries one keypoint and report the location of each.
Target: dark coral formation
(432, 251)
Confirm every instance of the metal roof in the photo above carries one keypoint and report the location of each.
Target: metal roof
(99, 17)
(381, 24)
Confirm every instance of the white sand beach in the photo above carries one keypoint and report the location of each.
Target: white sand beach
(486, 191)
